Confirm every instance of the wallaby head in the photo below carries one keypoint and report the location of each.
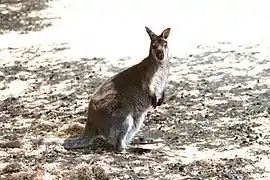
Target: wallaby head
(158, 47)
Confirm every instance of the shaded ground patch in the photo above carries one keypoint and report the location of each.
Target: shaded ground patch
(23, 15)
(214, 124)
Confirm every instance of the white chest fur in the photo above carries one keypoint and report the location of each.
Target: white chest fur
(159, 80)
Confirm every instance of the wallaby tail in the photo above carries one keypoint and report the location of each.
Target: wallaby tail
(84, 139)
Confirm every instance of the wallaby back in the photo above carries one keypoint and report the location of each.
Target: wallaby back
(118, 107)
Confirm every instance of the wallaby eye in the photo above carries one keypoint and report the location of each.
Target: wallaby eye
(154, 45)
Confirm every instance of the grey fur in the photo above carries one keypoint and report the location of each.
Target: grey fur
(118, 107)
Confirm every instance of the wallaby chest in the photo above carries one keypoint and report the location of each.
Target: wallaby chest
(159, 80)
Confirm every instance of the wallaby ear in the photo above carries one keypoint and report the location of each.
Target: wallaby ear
(165, 34)
(150, 33)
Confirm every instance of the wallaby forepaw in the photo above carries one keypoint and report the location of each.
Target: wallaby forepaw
(154, 102)
(160, 102)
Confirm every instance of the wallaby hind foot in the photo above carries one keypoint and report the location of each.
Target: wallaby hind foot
(78, 142)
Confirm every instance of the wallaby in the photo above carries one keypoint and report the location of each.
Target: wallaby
(118, 107)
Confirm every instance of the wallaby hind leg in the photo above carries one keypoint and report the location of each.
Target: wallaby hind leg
(135, 128)
(122, 130)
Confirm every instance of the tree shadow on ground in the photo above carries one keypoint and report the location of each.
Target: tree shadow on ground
(212, 106)
(23, 15)
(54, 88)
(211, 110)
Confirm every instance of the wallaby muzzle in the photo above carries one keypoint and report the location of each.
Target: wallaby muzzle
(160, 54)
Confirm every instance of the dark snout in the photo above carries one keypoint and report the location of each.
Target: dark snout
(160, 55)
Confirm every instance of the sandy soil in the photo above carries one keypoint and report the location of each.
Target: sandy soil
(214, 125)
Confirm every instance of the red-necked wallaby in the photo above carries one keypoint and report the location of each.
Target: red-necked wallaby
(118, 107)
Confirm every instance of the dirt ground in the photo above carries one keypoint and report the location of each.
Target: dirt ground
(214, 125)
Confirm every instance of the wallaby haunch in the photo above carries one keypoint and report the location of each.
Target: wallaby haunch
(118, 107)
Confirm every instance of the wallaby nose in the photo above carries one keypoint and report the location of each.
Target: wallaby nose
(160, 55)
